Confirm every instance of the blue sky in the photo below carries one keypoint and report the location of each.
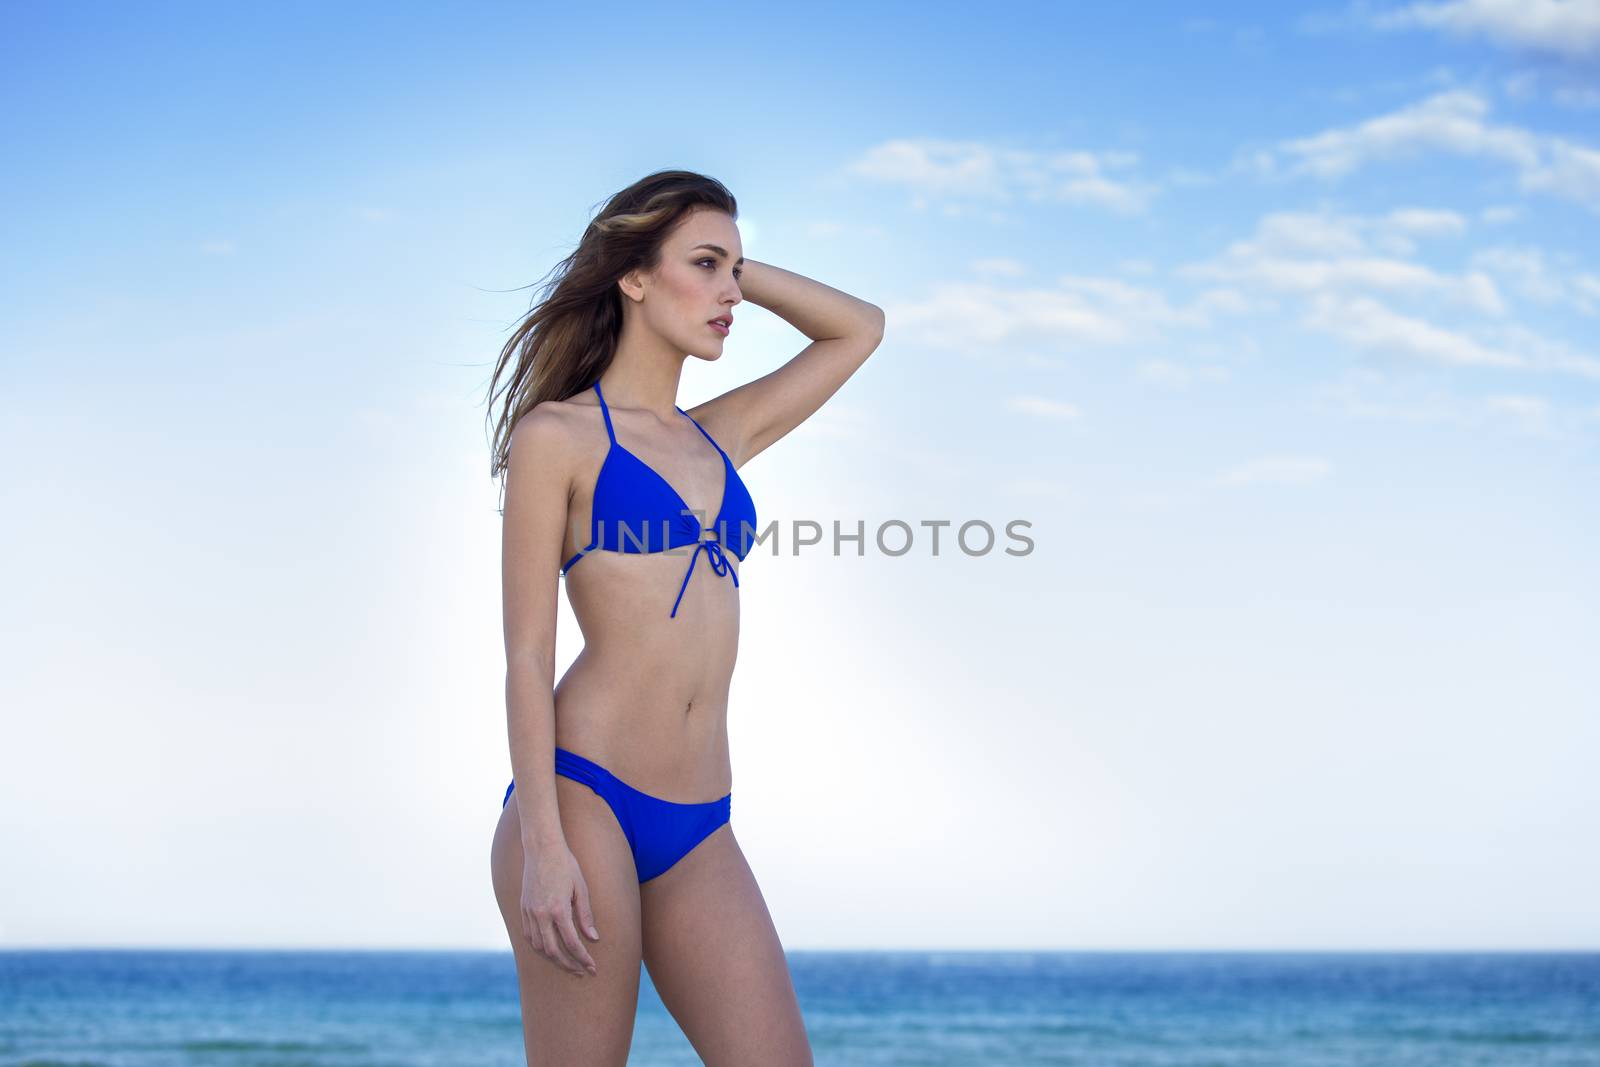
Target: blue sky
(1277, 324)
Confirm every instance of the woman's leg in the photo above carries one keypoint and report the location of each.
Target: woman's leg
(715, 958)
(569, 1020)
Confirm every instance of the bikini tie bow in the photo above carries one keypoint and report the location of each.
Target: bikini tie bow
(719, 565)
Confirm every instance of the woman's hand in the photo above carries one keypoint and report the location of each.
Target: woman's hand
(552, 884)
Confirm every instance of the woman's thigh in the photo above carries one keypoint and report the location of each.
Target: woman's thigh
(715, 958)
(567, 1019)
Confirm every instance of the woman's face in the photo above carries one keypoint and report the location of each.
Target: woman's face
(696, 281)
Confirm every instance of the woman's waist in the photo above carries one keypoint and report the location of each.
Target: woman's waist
(665, 736)
(643, 661)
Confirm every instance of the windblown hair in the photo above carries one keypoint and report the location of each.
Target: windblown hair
(569, 336)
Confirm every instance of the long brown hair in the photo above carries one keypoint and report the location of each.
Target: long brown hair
(569, 336)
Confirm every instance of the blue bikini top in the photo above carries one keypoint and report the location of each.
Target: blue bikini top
(635, 510)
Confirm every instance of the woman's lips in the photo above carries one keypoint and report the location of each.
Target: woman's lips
(723, 330)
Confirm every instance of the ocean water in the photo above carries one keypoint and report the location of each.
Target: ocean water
(1136, 1009)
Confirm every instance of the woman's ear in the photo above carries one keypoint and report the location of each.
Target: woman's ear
(632, 285)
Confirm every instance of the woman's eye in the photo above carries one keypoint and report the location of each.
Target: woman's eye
(738, 272)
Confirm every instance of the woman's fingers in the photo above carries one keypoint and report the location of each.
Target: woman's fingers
(551, 939)
(585, 912)
(549, 927)
(570, 940)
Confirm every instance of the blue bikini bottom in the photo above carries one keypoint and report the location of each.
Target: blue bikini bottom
(659, 832)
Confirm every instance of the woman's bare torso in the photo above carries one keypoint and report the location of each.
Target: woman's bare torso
(647, 697)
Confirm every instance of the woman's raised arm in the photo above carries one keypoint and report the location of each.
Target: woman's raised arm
(844, 331)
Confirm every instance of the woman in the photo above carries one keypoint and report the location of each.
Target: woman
(618, 849)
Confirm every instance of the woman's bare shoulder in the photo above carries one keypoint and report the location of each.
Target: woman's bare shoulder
(553, 429)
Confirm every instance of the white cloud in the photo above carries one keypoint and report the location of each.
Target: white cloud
(1569, 170)
(1223, 302)
(1329, 233)
(1080, 310)
(1310, 253)
(1531, 415)
(1285, 470)
(1541, 352)
(1026, 486)
(974, 314)
(1038, 405)
(1565, 90)
(1569, 27)
(1426, 222)
(1190, 176)
(934, 167)
(1302, 232)
(1528, 273)
(1367, 323)
(1322, 261)
(1576, 96)
(937, 170)
(818, 229)
(1521, 85)
(1453, 122)
(1526, 408)
(1369, 394)
(1523, 268)
(1164, 373)
(999, 266)
(1353, 393)
(1170, 374)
